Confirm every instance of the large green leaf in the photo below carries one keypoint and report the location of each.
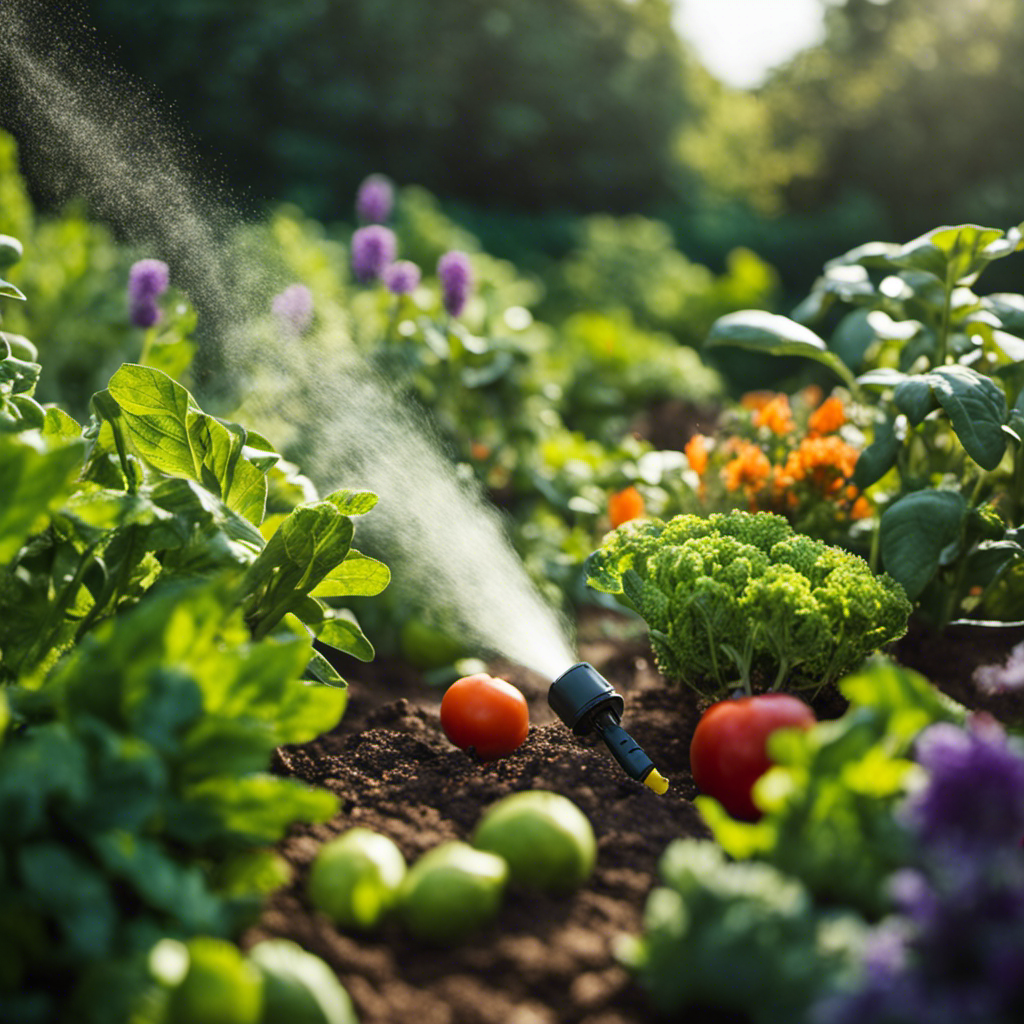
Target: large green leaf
(776, 335)
(914, 532)
(342, 632)
(357, 576)
(169, 430)
(976, 407)
(914, 398)
(957, 254)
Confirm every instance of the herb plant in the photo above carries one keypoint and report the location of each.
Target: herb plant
(742, 597)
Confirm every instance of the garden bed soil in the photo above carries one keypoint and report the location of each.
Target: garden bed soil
(544, 960)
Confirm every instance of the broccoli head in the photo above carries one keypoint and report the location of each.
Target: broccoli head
(740, 597)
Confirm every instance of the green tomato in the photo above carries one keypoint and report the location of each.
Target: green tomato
(219, 987)
(355, 878)
(299, 988)
(10, 251)
(451, 891)
(545, 838)
(426, 647)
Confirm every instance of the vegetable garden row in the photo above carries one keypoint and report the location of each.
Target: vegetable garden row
(201, 822)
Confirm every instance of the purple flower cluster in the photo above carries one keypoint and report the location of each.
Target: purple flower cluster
(147, 281)
(1002, 678)
(375, 199)
(401, 277)
(373, 250)
(456, 277)
(955, 950)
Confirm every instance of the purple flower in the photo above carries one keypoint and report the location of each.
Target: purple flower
(456, 277)
(375, 199)
(373, 248)
(147, 281)
(402, 277)
(294, 308)
(975, 792)
(143, 313)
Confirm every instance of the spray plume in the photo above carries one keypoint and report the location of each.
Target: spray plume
(98, 136)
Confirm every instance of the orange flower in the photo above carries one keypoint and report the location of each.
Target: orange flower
(696, 452)
(625, 505)
(756, 400)
(479, 451)
(826, 463)
(775, 415)
(861, 508)
(827, 418)
(750, 470)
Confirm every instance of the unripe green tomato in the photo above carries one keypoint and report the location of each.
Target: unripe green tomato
(10, 251)
(451, 891)
(355, 878)
(545, 838)
(219, 987)
(298, 987)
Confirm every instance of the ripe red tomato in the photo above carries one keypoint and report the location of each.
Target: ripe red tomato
(488, 714)
(727, 754)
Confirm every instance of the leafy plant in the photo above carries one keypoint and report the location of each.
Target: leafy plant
(942, 382)
(740, 596)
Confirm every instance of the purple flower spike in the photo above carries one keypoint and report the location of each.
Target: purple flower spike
(456, 276)
(373, 248)
(294, 308)
(143, 313)
(375, 199)
(402, 277)
(148, 279)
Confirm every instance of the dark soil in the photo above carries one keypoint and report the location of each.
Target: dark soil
(544, 960)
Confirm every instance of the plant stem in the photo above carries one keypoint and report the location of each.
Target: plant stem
(944, 326)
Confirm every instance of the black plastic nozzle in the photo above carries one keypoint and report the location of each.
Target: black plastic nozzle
(584, 700)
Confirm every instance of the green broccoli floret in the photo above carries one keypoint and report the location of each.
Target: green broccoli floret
(741, 597)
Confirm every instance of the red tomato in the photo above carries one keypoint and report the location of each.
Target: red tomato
(488, 714)
(727, 754)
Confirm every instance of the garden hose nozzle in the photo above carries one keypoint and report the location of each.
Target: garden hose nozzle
(584, 700)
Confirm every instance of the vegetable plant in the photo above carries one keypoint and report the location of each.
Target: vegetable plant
(486, 714)
(728, 753)
(355, 878)
(937, 368)
(451, 891)
(741, 597)
(545, 838)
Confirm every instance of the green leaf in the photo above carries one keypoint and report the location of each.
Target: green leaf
(59, 426)
(976, 407)
(35, 478)
(770, 333)
(909, 700)
(343, 634)
(352, 503)
(853, 337)
(879, 457)
(914, 398)
(914, 531)
(357, 576)
(7, 289)
(255, 808)
(323, 671)
(957, 254)
(882, 378)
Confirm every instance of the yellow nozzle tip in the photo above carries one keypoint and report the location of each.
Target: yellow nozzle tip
(656, 781)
